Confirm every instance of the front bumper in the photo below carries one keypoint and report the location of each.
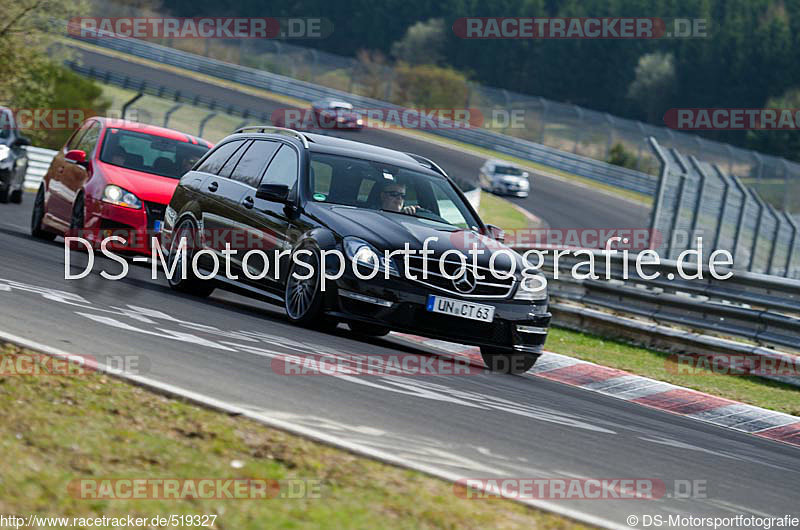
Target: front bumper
(401, 305)
(137, 227)
(511, 189)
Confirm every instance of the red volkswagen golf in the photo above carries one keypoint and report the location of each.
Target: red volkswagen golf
(113, 177)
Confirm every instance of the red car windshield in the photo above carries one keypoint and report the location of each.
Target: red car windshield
(149, 153)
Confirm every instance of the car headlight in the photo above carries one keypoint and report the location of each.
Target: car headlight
(359, 121)
(367, 256)
(533, 289)
(4, 152)
(121, 197)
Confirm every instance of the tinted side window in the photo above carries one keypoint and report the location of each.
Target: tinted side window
(221, 154)
(227, 169)
(252, 164)
(283, 168)
(89, 140)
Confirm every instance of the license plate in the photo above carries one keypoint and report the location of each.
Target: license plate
(157, 226)
(460, 308)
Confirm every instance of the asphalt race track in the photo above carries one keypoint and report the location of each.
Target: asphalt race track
(483, 425)
(561, 204)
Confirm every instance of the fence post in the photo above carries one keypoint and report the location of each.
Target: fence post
(701, 191)
(742, 210)
(723, 210)
(791, 244)
(679, 205)
(169, 112)
(130, 102)
(775, 234)
(658, 202)
(757, 231)
(579, 129)
(545, 105)
(203, 122)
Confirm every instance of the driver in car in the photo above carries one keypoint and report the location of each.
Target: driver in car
(392, 197)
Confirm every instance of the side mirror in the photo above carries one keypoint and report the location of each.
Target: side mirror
(273, 193)
(21, 141)
(76, 156)
(496, 233)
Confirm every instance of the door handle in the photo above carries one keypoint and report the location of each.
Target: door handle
(213, 187)
(248, 203)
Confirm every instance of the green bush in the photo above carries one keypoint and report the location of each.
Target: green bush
(619, 156)
(430, 86)
(67, 90)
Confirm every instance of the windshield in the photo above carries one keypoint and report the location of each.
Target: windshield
(149, 153)
(508, 170)
(377, 186)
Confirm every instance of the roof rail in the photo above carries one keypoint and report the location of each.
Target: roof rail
(277, 130)
(427, 162)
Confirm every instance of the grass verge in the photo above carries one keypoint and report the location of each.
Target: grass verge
(59, 428)
(660, 366)
(499, 212)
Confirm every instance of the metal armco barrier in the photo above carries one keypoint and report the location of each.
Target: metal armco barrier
(761, 309)
(38, 162)
(524, 149)
(697, 199)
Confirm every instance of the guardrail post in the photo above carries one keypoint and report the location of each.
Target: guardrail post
(169, 113)
(203, 122)
(723, 210)
(757, 231)
(130, 102)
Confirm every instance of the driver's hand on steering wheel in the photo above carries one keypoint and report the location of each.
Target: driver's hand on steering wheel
(412, 209)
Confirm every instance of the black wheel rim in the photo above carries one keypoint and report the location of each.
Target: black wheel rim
(300, 293)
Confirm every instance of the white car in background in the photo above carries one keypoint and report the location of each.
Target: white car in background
(504, 178)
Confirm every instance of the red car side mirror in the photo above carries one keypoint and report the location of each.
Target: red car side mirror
(76, 156)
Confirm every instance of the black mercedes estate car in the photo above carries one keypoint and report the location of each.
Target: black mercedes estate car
(298, 197)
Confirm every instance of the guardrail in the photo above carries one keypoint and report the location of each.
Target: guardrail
(39, 160)
(523, 149)
(762, 310)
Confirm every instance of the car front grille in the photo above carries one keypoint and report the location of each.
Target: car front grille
(155, 212)
(489, 287)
